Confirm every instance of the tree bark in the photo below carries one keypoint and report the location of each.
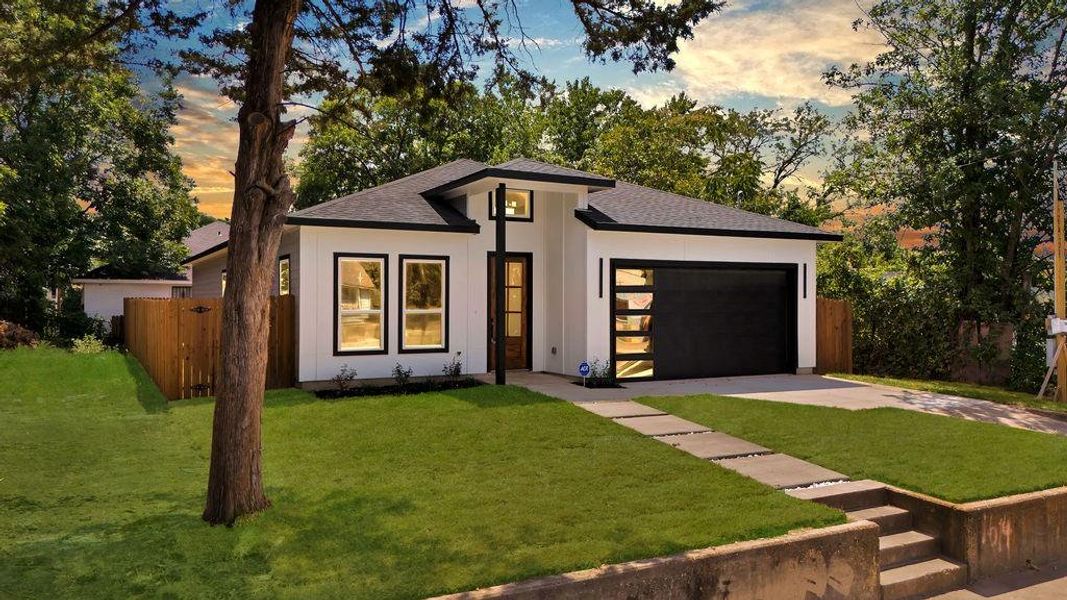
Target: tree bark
(262, 197)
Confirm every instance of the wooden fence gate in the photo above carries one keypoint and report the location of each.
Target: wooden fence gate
(177, 342)
(833, 336)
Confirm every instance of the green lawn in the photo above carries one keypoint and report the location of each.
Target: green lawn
(967, 390)
(946, 457)
(101, 485)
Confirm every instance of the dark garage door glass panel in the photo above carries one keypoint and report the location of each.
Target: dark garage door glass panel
(724, 321)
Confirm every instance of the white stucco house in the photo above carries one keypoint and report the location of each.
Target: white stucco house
(659, 285)
(105, 287)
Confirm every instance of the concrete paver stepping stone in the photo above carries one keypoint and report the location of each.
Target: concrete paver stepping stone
(661, 425)
(780, 470)
(615, 410)
(713, 445)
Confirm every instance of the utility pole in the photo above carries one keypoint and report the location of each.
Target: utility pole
(1058, 284)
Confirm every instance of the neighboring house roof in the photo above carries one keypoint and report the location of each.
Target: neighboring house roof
(112, 274)
(200, 241)
(207, 237)
(629, 207)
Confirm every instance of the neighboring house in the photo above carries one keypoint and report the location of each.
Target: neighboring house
(659, 285)
(105, 287)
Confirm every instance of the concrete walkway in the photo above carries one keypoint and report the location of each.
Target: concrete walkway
(799, 389)
(752, 460)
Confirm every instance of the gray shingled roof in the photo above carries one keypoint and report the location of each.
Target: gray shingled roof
(629, 207)
(208, 236)
(403, 204)
(398, 204)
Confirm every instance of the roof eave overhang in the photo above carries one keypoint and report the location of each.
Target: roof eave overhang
(205, 253)
(584, 217)
(596, 183)
(86, 280)
(471, 227)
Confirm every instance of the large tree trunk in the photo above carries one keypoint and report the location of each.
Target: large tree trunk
(262, 196)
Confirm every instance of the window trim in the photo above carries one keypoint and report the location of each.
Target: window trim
(402, 299)
(285, 258)
(337, 257)
(492, 206)
(222, 279)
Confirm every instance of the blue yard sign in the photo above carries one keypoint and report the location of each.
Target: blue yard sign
(583, 369)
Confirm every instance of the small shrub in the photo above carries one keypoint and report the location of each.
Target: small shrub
(345, 379)
(13, 336)
(600, 374)
(87, 344)
(402, 376)
(453, 369)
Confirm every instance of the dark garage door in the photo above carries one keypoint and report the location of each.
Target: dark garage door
(681, 320)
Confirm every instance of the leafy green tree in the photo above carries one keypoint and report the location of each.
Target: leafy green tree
(382, 138)
(956, 127)
(577, 117)
(87, 169)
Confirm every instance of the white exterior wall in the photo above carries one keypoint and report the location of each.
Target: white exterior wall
(104, 300)
(467, 280)
(568, 315)
(207, 272)
(654, 246)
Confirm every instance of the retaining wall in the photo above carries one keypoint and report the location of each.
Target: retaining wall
(834, 563)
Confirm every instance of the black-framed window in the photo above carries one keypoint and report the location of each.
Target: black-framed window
(423, 303)
(633, 292)
(284, 271)
(518, 205)
(222, 292)
(360, 303)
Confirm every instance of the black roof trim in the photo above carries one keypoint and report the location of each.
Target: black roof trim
(209, 251)
(472, 227)
(586, 216)
(591, 181)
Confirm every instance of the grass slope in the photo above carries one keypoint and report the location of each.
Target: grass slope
(967, 390)
(101, 484)
(950, 458)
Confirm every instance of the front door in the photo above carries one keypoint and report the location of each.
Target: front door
(516, 312)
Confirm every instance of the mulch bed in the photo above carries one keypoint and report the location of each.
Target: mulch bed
(414, 387)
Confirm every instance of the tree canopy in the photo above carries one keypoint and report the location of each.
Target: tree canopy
(744, 159)
(88, 174)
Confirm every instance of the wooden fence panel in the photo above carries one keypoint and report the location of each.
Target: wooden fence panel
(833, 336)
(177, 342)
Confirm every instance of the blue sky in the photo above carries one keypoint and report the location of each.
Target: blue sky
(752, 54)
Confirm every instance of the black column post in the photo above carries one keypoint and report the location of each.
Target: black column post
(500, 291)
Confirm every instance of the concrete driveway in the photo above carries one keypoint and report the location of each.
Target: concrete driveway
(799, 389)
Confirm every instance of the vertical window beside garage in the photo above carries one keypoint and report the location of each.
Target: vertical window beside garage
(634, 292)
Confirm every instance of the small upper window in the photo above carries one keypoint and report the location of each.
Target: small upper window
(518, 205)
(223, 292)
(283, 276)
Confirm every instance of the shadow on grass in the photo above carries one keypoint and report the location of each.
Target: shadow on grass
(148, 394)
(342, 544)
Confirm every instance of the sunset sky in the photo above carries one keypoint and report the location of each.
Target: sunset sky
(752, 54)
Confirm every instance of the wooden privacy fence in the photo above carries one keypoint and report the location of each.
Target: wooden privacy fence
(177, 342)
(833, 336)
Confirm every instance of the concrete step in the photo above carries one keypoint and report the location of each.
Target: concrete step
(922, 579)
(780, 470)
(660, 425)
(713, 445)
(850, 495)
(906, 547)
(890, 519)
